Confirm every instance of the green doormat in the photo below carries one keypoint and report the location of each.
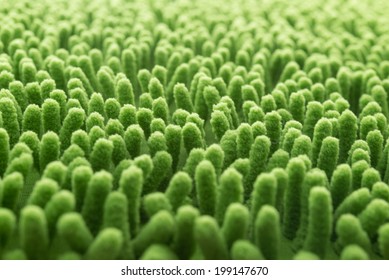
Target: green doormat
(223, 129)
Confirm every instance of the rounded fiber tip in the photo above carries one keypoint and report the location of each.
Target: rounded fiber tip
(154, 202)
(319, 221)
(179, 187)
(159, 229)
(72, 228)
(106, 246)
(349, 231)
(305, 255)
(235, 223)
(205, 179)
(354, 252)
(33, 232)
(374, 215)
(267, 232)
(244, 250)
(158, 252)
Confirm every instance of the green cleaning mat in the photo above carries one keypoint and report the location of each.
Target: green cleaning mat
(223, 129)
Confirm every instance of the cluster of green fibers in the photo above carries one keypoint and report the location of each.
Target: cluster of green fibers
(226, 129)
